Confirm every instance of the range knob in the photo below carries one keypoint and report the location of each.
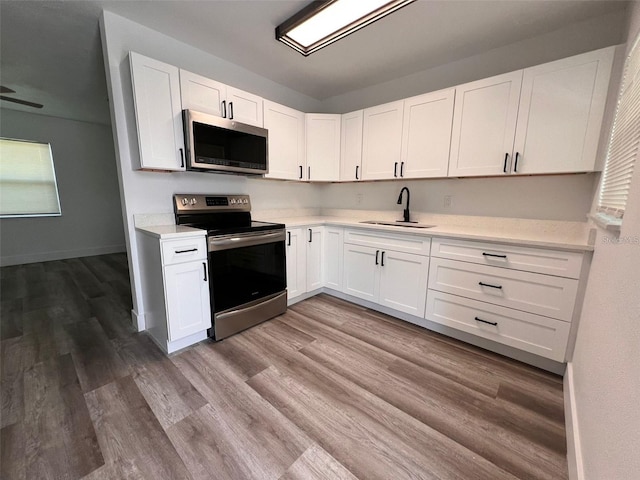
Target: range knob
(185, 201)
(193, 201)
(245, 201)
(232, 201)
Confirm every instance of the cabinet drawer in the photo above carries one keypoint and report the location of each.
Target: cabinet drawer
(550, 262)
(183, 250)
(530, 292)
(532, 333)
(401, 243)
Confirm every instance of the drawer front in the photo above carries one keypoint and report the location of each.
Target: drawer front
(530, 292)
(184, 250)
(539, 260)
(400, 243)
(532, 333)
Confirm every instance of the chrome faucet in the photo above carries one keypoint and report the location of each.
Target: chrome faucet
(406, 210)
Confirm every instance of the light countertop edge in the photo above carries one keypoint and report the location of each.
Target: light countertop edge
(165, 232)
(505, 236)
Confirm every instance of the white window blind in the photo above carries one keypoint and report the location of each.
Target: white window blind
(27, 179)
(624, 141)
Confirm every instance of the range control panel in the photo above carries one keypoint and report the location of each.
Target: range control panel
(186, 202)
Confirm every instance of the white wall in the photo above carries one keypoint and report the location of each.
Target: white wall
(571, 40)
(605, 371)
(91, 221)
(558, 197)
(151, 192)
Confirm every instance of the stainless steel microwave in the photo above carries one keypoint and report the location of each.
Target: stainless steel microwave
(216, 144)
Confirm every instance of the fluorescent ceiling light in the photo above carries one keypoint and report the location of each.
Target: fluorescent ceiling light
(322, 23)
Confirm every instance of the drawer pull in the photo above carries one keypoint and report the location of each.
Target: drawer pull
(187, 251)
(493, 255)
(495, 324)
(482, 284)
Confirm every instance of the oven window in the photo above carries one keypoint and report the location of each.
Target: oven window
(242, 275)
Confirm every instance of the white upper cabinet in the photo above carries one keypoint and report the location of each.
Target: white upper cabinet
(202, 94)
(286, 142)
(323, 147)
(561, 108)
(351, 146)
(215, 98)
(426, 135)
(484, 125)
(381, 141)
(244, 107)
(156, 97)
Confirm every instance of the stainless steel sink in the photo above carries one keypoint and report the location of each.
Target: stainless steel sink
(397, 224)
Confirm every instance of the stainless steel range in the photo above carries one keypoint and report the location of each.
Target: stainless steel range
(247, 264)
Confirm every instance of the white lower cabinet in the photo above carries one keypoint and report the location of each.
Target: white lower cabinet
(536, 334)
(305, 260)
(388, 277)
(315, 267)
(522, 297)
(175, 276)
(187, 297)
(296, 263)
(333, 260)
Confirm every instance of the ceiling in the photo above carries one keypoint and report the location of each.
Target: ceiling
(51, 53)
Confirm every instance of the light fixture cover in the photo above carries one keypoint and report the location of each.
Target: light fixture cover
(323, 22)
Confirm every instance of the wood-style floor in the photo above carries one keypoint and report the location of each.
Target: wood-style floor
(327, 391)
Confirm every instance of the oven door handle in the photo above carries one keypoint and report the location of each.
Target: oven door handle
(238, 241)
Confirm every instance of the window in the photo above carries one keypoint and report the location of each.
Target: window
(623, 142)
(27, 180)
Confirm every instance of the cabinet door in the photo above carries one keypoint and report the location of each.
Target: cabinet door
(156, 97)
(561, 109)
(484, 125)
(202, 94)
(333, 251)
(361, 272)
(187, 297)
(244, 107)
(286, 141)
(323, 146)
(403, 282)
(315, 246)
(296, 263)
(351, 146)
(381, 141)
(426, 135)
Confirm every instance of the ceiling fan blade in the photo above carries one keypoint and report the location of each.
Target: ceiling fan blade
(4, 89)
(21, 102)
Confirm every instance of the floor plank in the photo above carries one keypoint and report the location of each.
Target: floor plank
(60, 439)
(12, 445)
(245, 436)
(95, 358)
(327, 390)
(131, 438)
(316, 464)
(169, 394)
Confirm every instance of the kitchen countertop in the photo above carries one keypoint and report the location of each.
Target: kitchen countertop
(164, 232)
(564, 235)
(573, 236)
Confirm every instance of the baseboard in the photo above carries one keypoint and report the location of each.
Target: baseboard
(138, 321)
(574, 451)
(7, 261)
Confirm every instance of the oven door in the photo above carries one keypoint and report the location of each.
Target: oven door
(244, 270)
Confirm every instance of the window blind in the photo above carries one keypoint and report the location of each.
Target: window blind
(624, 141)
(27, 179)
